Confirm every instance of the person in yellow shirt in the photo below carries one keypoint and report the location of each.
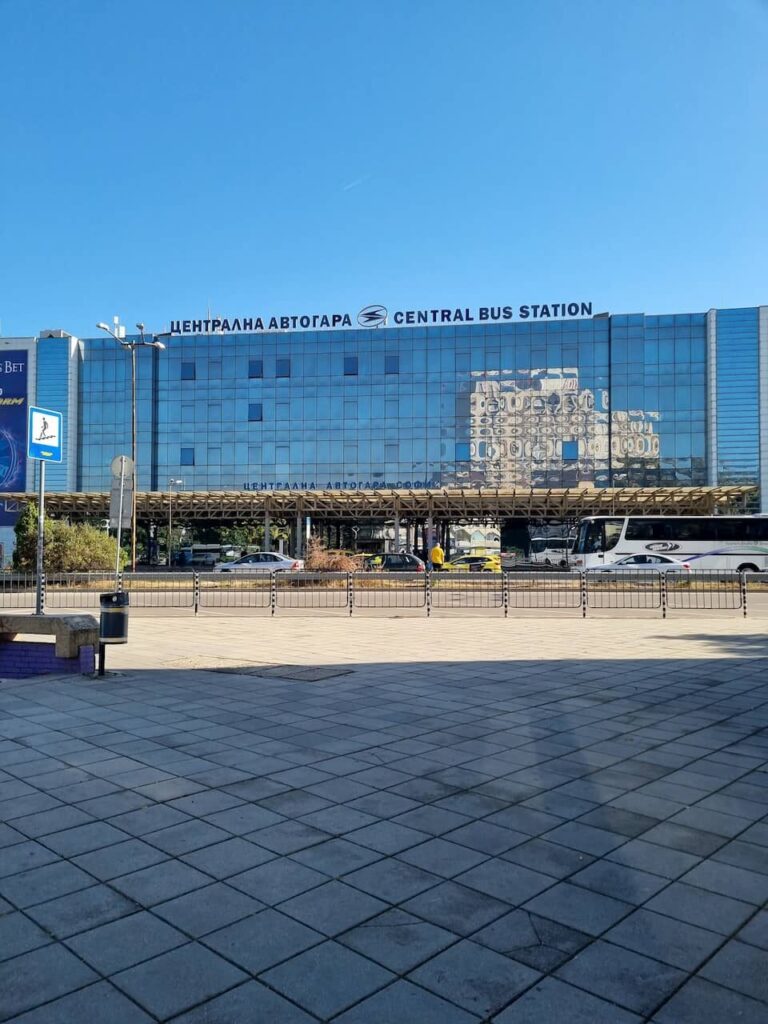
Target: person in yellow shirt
(437, 557)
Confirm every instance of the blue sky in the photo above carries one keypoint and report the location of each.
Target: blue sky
(301, 156)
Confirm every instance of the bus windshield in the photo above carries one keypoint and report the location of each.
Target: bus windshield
(597, 535)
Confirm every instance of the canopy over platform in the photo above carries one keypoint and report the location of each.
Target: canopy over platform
(451, 503)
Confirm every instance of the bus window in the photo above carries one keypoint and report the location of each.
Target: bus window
(757, 529)
(612, 533)
(698, 530)
(731, 530)
(647, 529)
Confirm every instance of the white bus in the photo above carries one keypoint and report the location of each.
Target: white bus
(735, 543)
(550, 550)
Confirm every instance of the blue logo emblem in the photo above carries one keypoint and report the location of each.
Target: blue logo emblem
(372, 316)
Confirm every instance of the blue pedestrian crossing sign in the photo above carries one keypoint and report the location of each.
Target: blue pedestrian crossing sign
(44, 436)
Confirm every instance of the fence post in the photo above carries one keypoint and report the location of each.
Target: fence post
(119, 583)
(42, 591)
(505, 592)
(583, 594)
(350, 591)
(663, 576)
(743, 583)
(428, 596)
(273, 592)
(196, 591)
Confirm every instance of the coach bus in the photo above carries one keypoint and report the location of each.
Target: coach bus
(735, 543)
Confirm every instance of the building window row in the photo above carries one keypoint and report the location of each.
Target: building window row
(283, 367)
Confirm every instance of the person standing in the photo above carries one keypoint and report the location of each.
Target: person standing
(437, 557)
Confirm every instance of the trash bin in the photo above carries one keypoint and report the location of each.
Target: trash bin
(113, 625)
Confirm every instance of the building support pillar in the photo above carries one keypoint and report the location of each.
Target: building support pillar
(267, 529)
(397, 530)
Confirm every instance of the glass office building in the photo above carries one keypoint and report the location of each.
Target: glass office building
(604, 401)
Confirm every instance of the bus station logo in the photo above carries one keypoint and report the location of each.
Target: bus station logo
(373, 316)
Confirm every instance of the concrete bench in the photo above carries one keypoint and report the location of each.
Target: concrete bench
(76, 636)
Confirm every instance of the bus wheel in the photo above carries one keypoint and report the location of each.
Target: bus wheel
(748, 567)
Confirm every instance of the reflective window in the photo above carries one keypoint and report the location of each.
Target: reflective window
(187, 457)
(618, 401)
(255, 412)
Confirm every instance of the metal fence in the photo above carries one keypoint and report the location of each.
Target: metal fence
(17, 590)
(545, 590)
(390, 589)
(505, 594)
(233, 590)
(632, 589)
(467, 590)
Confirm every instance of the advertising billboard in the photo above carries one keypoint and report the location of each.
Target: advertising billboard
(13, 428)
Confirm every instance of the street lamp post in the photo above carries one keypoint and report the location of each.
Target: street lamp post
(173, 481)
(118, 333)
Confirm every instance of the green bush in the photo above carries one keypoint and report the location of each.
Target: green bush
(79, 548)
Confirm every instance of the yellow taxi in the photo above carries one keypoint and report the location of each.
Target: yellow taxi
(474, 563)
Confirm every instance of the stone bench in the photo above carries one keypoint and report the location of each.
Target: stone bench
(76, 639)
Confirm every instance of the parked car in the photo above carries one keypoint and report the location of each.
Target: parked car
(261, 561)
(400, 563)
(653, 563)
(474, 563)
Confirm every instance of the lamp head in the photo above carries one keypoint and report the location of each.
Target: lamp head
(103, 326)
(140, 327)
(157, 344)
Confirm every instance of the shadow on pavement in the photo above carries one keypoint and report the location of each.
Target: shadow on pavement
(475, 841)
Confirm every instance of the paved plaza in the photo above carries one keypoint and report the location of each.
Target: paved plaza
(391, 821)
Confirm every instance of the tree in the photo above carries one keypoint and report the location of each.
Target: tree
(78, 548)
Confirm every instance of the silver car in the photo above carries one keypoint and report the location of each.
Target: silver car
(261, 561)
(652, 563)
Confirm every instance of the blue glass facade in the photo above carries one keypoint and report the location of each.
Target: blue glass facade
(738, 385)
(604, 401)
(623, 400)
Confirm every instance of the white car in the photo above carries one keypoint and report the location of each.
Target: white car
(649, 563)
(261, 561)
